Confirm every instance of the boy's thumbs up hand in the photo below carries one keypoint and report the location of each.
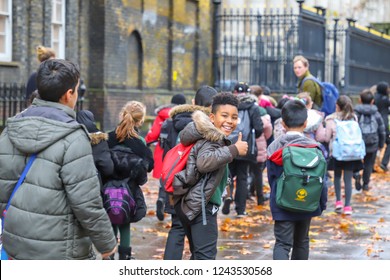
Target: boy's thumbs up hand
(241, 146)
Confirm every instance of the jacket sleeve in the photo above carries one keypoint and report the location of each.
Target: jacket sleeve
(212, 156)
(381, 130)
(83, 193)
(330, 130)
(257, 123)
(320, 133)
(154, 132)
(103, 160)
(312, 87)
(266, 119)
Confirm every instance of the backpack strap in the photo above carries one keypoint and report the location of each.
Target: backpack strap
(311, 77)
(163, 182)
(204, 219)
(18, 184)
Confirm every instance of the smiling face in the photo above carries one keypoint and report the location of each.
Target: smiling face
(225, 118)
(299, 68)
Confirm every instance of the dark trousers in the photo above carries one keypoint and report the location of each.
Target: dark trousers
(257, 170)
(386, 156)
(203, 238)
(291, 235)
(369, 161)
(175, 241)
(241, 169)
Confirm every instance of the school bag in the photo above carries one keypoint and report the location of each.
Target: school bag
(169, 137)
(248, 135)
(123, 198)
(348, 144)
(329, 93)
(174, 161)
(118, 201)
(369, 127)
(300, 186)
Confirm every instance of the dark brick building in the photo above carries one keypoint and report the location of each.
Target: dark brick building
(127, 50)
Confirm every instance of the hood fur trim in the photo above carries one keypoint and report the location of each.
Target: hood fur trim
(188, 108)
(206, 128)
(158, 109)
(98, 137)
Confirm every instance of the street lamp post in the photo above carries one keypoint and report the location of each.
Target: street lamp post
(216, 43)
(334, 51)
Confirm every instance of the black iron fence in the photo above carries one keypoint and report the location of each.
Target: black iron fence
(259, 49)
(12, 101)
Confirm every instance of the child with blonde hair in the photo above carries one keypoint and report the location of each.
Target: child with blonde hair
(43, 54)
(135, 166)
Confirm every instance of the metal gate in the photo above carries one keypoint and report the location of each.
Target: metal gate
(259, 49)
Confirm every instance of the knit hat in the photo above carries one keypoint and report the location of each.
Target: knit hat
(178, 99)
(204, 96)
(382, 87)
(86, 118)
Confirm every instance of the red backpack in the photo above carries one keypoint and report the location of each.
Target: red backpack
(174, 161)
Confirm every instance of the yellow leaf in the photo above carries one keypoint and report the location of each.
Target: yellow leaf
(381, 220)
(244, 251)
(247, 236)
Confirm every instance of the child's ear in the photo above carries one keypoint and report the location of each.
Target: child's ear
(304, 124)
(360, 100)
(284, 125)
(212, 117)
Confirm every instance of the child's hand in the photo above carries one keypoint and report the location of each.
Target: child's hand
(241, 146)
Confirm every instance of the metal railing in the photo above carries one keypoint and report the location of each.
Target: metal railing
(259, 48)
(12, 101)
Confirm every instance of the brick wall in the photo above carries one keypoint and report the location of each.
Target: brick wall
(125, 49)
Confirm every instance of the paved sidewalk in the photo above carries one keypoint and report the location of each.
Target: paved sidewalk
(363, 236)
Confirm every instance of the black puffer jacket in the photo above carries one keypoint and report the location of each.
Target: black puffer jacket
(368, 110)
(210, 154)
(382, 101)
(135, 166)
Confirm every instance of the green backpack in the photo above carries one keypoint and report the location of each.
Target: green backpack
(300, 185)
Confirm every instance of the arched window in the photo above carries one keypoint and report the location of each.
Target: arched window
(135, 60)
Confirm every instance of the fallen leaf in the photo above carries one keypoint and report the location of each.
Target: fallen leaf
(244, 251)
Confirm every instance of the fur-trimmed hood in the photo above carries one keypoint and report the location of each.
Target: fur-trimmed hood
(188, 108)
(98, 137)
(206, 128)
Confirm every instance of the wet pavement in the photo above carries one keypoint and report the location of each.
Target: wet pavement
(365, 235)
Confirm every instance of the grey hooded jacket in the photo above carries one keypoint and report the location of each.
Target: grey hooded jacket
(57, 212)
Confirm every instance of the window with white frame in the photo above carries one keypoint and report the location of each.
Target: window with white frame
(58, 28)
(5, 30)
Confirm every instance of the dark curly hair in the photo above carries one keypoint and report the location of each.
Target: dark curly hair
(223, 98)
